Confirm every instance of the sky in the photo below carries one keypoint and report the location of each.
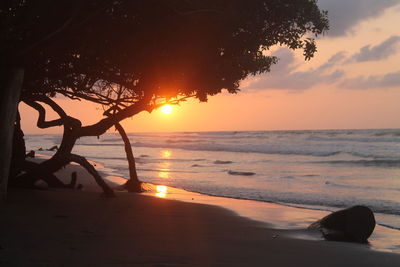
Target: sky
(353, 82)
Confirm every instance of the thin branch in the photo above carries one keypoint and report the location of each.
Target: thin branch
(76, 95)
(107, 191)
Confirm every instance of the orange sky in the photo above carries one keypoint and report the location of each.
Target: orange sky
(353, 82)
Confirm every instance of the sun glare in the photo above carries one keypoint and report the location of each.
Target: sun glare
(166, 154)
(166, 109)
(161, 191)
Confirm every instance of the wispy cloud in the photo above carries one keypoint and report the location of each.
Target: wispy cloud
(344, 15)
(382, 51)
(284, 74)
(372, 82)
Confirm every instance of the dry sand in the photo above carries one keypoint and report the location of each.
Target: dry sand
(79, 228)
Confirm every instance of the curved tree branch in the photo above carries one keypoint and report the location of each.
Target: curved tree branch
(47, 100)
(73, 130)
(133, 184)
(63, 156)
(103, 125)
(41, 122)
(107, 191)
(142, 105)
(29, 181)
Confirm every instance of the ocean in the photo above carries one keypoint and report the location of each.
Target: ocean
(311, 169)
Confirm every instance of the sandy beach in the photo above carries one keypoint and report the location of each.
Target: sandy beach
(255, 133)
(79, 228)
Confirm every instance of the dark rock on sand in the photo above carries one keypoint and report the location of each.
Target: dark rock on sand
(197, 165)
(30, 154)
(241, 173)
(354, 224)
(53, 148)
(223, 162)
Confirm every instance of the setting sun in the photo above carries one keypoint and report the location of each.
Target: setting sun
(166, 109)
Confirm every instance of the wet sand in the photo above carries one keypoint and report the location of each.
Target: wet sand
(79, 228)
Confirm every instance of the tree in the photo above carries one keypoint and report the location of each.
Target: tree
(27, 28)
(143, 53)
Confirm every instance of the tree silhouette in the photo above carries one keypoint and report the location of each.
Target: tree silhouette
(27, 29)
(141, 54)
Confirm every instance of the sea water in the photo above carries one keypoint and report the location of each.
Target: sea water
(324, 169)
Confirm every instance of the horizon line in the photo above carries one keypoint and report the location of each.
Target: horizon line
(273, 130)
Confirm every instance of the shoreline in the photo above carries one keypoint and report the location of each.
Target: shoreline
(291, 219)
(79, 228)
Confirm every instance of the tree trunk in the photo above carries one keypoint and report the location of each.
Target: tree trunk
(63, 155)
(50, 179)
(9, 98)
(133, 184)
(18, 150)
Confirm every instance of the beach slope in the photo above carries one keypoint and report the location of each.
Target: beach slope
(79, 228)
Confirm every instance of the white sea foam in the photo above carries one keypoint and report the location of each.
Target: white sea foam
(329, 169)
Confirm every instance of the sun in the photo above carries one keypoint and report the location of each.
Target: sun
(166, 109)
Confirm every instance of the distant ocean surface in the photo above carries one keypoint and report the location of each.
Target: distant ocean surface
(326, 169)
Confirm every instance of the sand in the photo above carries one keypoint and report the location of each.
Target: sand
(79, 228)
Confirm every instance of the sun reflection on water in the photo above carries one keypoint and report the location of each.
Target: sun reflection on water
(164, 175)
(164, 171)
(161, 190)
(166, 154)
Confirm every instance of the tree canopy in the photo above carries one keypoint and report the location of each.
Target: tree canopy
(130, 55)
(165, 49)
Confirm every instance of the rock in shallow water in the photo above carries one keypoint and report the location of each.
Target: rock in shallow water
(223, 162)
(241, 173)
(354, 224)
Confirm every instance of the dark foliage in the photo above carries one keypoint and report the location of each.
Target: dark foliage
(131, 55)
(165, 49)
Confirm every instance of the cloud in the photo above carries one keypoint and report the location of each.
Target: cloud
(344, 15)
(284, 74)
(379, 52)
(373, 81)
(334, 60)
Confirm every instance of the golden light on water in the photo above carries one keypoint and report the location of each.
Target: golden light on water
(164, 169)
(166, 109)
(161, 191)
(166, 154)
(161, 188)
(164, 175)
